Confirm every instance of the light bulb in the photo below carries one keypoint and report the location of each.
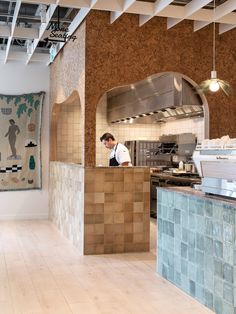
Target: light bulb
(214, 86)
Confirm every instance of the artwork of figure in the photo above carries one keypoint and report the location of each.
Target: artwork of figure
(13, 131)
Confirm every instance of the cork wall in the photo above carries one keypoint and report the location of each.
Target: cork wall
(122, 53)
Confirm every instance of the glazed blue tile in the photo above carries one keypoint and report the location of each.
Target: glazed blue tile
(177, 216)
(168, 228)
(192, 288)
(170, 274)
(208, 245)
(228, 214)
(159, 196)
(159, 225)
(159, 209)
(209, 280)
(200, 224)
(218, 268)
(181, 202)
(165, 256)
(184, 267)
(170, 214)
(208, 299)
(191, 239)
(170, 243)
(228, 293)
(177, 278)
(168, 258)
(164, 212)
(217, 212)
(199, 207)
(178, 231)
(191, 254)
(218, 305)
(171, 230)
(168, 199)
(209, 263)
(192, 222)
(200, 259)
(218, 287)
(192, 209)
(200, 241)
(228, 273)
(227, 308)
(184, 235)
(177, 244)
(184, 250)
(218, 249)
(228, 233)
(200, 293)
(200, 276)
(184, 219)
(192, 272)
(228, 253)
(185, 283)
(235, 257)
(208, 209)
(218, 230)
(208, 227)
(177, 264)
(164, 271)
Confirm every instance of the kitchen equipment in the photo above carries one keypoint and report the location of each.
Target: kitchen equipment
(215, 161)
(143, 153)
(175, 148)
(158, 98)
(188, 167)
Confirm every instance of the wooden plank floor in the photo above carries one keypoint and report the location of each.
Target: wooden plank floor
(41, 272)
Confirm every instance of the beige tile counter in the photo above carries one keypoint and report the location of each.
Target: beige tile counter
(113, 212)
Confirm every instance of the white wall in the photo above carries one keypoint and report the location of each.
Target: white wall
(188, 125)
(17, 79)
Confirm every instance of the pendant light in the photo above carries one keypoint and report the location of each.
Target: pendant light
(214, 83)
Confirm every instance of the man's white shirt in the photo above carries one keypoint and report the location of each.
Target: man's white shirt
(121, 153)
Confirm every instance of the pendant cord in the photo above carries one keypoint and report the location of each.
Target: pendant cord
(214, 38)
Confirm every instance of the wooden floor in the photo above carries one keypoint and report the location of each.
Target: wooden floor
(40, 272)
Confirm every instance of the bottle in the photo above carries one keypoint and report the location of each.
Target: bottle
(181, 165)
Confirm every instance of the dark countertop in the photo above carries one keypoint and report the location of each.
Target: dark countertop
(176, 178)
(190, 191)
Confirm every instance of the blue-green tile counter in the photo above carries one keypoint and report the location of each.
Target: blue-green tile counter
(197, 246)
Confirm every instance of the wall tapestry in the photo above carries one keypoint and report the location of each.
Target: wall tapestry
(20, 153)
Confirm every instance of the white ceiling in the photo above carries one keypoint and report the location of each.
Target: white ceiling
(19, 20)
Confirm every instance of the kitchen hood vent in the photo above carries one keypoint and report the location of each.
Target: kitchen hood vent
(158, 98)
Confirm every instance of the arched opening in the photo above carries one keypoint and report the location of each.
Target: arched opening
(127, 111)
(66, 131)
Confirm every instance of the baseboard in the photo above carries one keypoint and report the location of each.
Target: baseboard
(25, 217)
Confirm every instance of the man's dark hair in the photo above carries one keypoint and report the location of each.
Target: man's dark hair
(106, 137)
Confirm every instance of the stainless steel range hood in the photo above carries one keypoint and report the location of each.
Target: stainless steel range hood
(156, 99)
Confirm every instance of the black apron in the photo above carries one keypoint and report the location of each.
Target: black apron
(113, 162)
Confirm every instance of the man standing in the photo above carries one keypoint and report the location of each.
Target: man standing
(119, 153)
(12, 132)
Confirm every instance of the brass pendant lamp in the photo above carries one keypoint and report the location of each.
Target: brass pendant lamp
(214, 84)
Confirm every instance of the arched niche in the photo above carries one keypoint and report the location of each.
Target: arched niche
(147, 130)
(66, 131)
